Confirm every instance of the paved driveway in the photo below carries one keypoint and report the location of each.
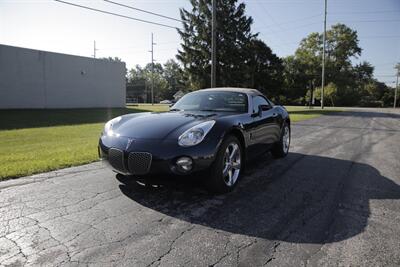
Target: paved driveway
(335, 200)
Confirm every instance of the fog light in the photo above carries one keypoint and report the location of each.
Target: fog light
(184, 164)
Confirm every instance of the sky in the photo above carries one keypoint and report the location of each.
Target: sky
(52, 26)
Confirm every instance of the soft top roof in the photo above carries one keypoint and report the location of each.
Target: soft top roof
(234, 89)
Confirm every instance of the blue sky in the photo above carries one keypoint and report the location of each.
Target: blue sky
(52, 26)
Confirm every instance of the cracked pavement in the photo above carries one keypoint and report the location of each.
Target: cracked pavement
(335, 200)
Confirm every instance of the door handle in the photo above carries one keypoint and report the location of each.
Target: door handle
(274, 114)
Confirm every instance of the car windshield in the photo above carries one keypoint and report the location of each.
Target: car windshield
(213, 101)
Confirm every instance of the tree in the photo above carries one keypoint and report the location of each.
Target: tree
(264, 69)
(233, 36)
(363, 72)
(342, 47)
(173, 74)
(112, 59)
(372, 93)
(140, 80)
(330, 93)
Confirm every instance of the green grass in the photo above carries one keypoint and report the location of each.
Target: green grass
(150, 107)
(304, 113)
(34, 141)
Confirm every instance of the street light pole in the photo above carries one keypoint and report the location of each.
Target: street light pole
(152, 69)
(94, 49)
(395, 90)
(323, 58)
(214, 44)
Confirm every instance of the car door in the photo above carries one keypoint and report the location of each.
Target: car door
(264, 130)
(277, 118)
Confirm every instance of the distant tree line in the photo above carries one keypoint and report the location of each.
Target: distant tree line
(243, 60)
(167, 79)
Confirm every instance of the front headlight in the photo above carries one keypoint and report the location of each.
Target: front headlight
(196, 134)
(108, 127)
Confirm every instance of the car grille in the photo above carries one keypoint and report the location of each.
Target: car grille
(116, 159)
(139, 162)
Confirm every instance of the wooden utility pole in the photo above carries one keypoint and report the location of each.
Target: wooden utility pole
(323, 58)
(214, 44)
(152, 69)
(395, 90)
(94, 49)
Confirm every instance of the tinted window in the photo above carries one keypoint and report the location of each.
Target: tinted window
(259, 100)
(213, 101)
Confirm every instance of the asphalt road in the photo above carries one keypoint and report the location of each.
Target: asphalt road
(335, 200)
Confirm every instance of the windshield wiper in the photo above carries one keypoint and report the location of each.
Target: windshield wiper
(212, 110)
(175, 109)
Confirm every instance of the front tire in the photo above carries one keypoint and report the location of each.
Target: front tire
(226, 169)
(281, 148)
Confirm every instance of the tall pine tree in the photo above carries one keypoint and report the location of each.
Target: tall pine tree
(234, 38)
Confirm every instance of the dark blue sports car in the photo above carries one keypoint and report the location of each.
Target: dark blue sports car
(212, 130)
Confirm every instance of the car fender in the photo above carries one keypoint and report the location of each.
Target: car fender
(225, 128)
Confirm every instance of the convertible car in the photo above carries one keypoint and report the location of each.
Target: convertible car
(212, 130)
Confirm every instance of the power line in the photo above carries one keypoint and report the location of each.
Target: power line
(374, 20)
(275, 34)
(294, 20)
(115, 14)
(366, 12)
(130, 52)
(385, 64)
(142, 10)
(269, 15)
(379, 36)
(384, 75)
(294, 28)
(137, 48)
(301, 19)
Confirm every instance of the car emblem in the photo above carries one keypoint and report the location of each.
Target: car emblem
(130, 141)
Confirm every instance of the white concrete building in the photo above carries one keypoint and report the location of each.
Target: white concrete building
(39, 79)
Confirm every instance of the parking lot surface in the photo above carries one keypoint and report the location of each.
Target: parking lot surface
(335, 200)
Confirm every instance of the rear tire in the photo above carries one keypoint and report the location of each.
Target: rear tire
(281, 148)
(226, 169)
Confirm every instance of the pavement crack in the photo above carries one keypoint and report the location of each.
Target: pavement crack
(272, 257)
(242, 248)
(223, 256)
(171, 245)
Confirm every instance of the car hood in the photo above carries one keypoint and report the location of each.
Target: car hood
(159, 125)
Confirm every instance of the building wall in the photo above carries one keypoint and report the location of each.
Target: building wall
(38, 79)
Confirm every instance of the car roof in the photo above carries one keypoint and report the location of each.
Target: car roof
(234, 89)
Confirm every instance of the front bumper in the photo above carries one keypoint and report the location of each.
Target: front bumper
(148, 156)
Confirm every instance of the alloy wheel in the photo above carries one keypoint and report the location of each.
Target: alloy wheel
(232, 164)
(286, 139)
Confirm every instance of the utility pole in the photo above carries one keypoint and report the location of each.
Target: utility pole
(94, 49)
(214, 44)
(152, 69)
(397, 86)
(323, 58)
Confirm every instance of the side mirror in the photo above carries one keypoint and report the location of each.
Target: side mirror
(264, 107)
(261, 108)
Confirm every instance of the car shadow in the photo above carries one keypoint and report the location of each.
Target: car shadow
(300, 199)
